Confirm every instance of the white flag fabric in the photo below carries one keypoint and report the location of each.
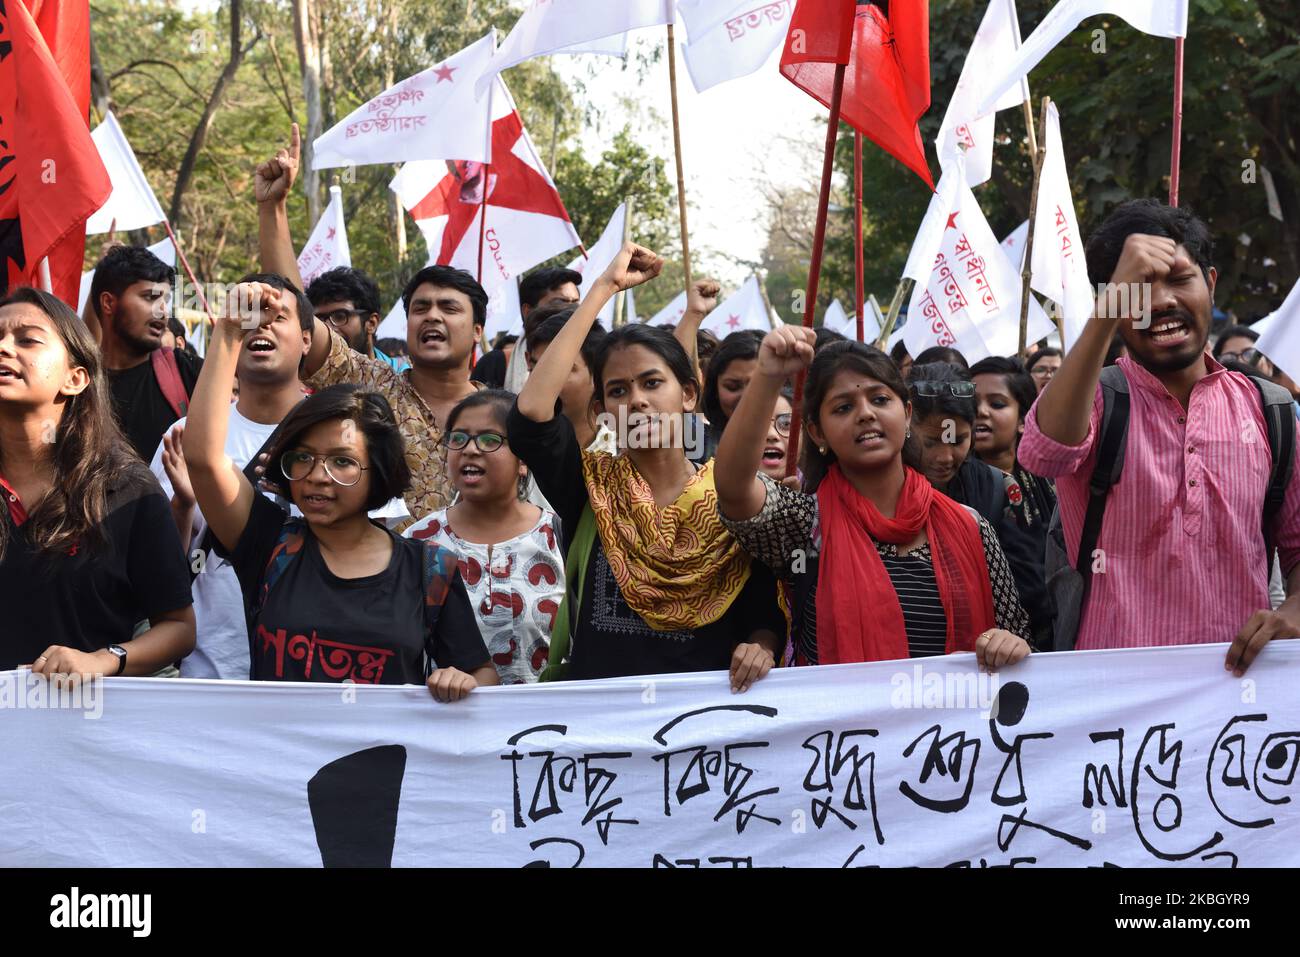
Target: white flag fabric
(1162, 18)
(969, 299)
(837, 319)
(1059, 268)
(743, 309)
(672, 312)
(924, 762)
(393, 325)
(996, 41)
(571, 26)
(435, 113)
(1014, 245)
(1279, 335)
(132, 204)
(327, 247)
(526, 220)
(728, 39)
(600, 256)
(163, 249)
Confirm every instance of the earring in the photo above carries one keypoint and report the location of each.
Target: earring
(523, 487)
(822, 449)
(909, 434)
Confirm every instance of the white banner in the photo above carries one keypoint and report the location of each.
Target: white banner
(1132, 758)
(327, 247)
(600, 256)
(728, 39)
(1279, 334)
(1059, 269)
(743, 309)
(132, 204)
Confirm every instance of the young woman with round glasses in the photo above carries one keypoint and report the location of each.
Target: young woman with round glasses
(508, 550)
(333, 596)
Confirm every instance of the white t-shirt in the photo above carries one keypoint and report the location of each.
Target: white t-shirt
(222, 647)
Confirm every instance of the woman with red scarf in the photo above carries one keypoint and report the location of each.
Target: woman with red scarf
(882, 565)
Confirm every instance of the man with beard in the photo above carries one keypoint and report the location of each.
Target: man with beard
(269, 388)
(131, 297)
(1181, 557)
(348, 300)
(445, 312)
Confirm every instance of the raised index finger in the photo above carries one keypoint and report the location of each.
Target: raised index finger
(295, 142)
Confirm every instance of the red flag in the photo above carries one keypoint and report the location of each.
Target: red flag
(51, 176)
(886, 45)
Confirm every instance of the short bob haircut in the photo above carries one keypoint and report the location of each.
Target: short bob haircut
(389, 474)
(1019, 382)
(659, 341)
(500, 401)
(830, 361)
(1047, 352)
(738, 347)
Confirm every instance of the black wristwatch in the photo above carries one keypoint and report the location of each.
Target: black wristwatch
(120, 653)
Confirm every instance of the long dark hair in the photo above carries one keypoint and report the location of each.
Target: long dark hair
(833, 359)
(659, 341)
(390, 476)
(89, 452)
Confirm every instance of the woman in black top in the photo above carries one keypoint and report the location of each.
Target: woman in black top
(87, 548)
(663, 587)
(332, 597)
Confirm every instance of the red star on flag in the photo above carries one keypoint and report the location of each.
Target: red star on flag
(513, 184)
(733, 321)
(330, 234)
(952, 222)
(444, 72)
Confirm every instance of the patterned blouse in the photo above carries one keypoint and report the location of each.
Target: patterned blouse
(786, 536)
(426, 456)
(515, 588)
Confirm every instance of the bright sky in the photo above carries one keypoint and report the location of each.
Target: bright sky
(730, 135)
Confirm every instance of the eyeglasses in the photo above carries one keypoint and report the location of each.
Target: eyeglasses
(1042, 372)
(486, 442)
(782, 423)
(1248, 356)
(342, 469)
(339, 317)
(932, 390)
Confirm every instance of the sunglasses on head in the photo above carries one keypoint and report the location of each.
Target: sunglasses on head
(932, 390)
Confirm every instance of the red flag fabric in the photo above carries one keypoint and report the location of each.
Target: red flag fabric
(51, 176)
(886, 46)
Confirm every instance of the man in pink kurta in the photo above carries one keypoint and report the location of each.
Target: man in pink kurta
(1181, 543)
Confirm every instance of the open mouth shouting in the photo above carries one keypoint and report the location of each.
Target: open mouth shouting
(870, 439)
(260, 345)
(471, 475)
(433, 335)
(773, 456)
(1172, 330)
(315, 502)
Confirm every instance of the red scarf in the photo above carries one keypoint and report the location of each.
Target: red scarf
(858, 614)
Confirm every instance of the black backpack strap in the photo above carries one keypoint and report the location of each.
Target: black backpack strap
(1280, 422)
(1111, 445)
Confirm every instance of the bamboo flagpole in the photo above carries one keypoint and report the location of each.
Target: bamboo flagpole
(901, 294)
(185, 264)
(1026, 270)
(677, 150)
(859, 260)
(621, 296)
(1177, 154)
(815, 266)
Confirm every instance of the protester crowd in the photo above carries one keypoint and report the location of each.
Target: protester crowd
(585, 503)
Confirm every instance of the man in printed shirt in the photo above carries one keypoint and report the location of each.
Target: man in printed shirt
(1185, 561)
(445, 312)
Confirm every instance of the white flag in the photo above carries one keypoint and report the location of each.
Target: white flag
(996, 41)
(1059, 268)
(671, 313)
(1162, 18)
(1014, 245)
(132, 203)
(394, 324)
(728, 39)
(327, 247)
(435, 113)
(526, 220)
(743, 309)
(569, 26)
(837, 319)
(969, 300)
(1279, 335)
(600, 256)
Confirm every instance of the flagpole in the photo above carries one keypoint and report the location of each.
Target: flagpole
(677, 149)
(815, 266)
(621, 296)
(859, 260)
(1026, 269)
(47, 284)
(903, 291)
(185, 264)
(487, 176)
(1176, 162)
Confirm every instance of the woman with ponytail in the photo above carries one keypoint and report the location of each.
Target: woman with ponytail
(883, 566)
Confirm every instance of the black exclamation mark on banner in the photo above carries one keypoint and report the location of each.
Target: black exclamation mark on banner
(353, 805)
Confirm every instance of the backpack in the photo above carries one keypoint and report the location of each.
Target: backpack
(440, 566)
(1068, 585)
(168, 375)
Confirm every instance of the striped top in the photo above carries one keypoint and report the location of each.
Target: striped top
(1181, 542)
(786, 536)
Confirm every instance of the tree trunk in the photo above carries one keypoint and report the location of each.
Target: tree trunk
(99, 88)
(306, 34)
(200, 134)
(396, 214)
